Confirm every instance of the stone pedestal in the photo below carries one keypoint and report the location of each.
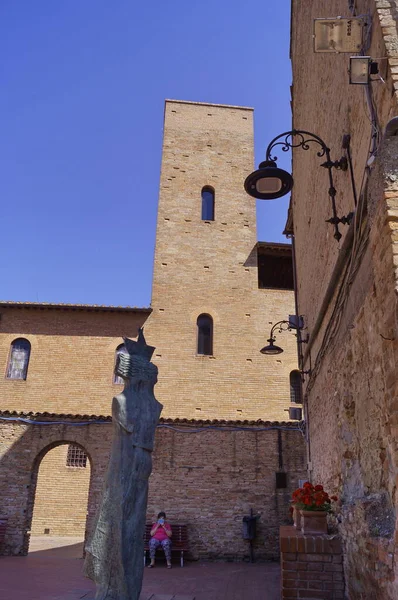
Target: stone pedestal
(311, 564)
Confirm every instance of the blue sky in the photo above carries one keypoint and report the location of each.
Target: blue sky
(83, 88)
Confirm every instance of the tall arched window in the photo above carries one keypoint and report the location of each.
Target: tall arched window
(18, 361)
(119, 350)
(205, 334)
(207, 204)
(295, 387)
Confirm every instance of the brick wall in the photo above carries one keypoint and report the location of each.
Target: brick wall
(347, 292)
(200, 267)
(208, 480)
(72, 358)
(211, 267)
(312, 566)
(61, 496)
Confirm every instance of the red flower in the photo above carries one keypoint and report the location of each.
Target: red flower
(334, 498)
(312, 497)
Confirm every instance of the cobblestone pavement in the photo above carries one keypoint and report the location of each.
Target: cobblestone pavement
(53, 571)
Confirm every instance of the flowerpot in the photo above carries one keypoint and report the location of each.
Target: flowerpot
(314, 522)
(296, 518)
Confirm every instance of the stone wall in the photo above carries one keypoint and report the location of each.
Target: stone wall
(208, 477)
(347, 292)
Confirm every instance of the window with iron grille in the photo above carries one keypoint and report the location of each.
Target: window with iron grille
(76, 457)
(295, 387)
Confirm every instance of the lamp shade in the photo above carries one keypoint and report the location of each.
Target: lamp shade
(268, 182)
(271, 348)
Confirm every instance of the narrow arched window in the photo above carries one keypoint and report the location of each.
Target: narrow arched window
(18, 361)
(295, 387)
(207, 204)
(119, 350)
(205, 334)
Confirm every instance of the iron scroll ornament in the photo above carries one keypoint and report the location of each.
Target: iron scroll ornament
(298, 138)
(280, 326)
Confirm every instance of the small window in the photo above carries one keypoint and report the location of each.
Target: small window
(207, 204)
(295, 387)
(205, 334)
(19, 359)
(76, 457)
(119, 350)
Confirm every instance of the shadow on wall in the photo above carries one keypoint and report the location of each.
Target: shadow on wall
(208, 477)
(63, 480)
(23, 448)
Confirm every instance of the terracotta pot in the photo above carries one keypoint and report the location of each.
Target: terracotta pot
(313, 522)
(296, 517)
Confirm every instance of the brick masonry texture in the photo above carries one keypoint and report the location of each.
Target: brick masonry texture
(208, 480)
(200, 267)
(211, 267)
(72, 358)
(352, 393)
(312, 566)
(61, 496)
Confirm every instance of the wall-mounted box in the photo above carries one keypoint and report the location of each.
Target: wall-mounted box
(338, 34)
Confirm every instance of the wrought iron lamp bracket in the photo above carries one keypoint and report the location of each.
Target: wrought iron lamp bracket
(280, 326)
(298, 138)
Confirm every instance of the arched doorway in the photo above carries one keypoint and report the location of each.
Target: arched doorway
(61, 479)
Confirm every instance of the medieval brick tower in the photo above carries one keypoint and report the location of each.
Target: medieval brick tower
(212, 308)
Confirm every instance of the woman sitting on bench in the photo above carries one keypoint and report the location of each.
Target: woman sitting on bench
(160, 536)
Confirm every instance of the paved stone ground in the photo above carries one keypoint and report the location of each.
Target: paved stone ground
(53, 571)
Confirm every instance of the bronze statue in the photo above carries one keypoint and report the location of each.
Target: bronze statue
(115, 553)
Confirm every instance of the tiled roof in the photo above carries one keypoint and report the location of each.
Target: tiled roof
(175, 421)
(65, 306)
(275, 246)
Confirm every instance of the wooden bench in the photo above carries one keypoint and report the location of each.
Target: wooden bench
(179, 540)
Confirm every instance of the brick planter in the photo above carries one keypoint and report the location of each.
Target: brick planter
(312, 566)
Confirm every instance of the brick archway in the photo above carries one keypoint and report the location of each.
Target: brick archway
(65, 480)
(23, 447)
